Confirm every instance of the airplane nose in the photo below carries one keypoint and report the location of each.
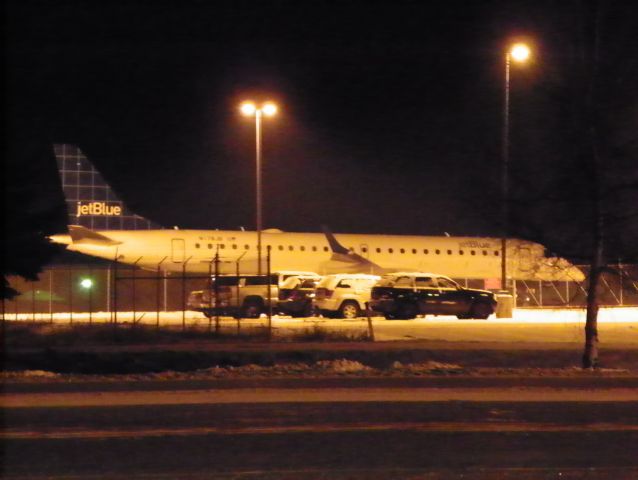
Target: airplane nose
(62, 239)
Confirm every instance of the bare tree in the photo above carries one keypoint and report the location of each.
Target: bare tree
(577, 175)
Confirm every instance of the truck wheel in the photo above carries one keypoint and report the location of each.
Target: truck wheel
(349, 309)
(480, 310)
(407, 311)
(251, 310)
(310, 310)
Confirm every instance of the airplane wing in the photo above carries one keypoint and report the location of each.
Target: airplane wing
(82, 235)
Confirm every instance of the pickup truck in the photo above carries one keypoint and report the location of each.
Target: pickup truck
(241, 296)
(405, 295)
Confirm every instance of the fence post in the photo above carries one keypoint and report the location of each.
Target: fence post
(237, 288)
(620, 279)
(90, 289)
(269, 295)
(157, 293)
(71, 295)
(134, 271)
(33, 301)
(370, 328)
(51, 295)
(184, 293)
(216, 291)
(115, 280)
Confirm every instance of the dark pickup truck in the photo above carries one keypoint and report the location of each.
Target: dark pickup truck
(406, 295)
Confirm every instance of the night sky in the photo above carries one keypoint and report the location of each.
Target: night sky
(390, 112)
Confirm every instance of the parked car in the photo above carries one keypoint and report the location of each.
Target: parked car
(405, 295)
(296, 296)
(344, 295)
(242, 296)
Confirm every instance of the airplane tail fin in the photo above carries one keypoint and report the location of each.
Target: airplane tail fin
(90, 201)
(347, 260)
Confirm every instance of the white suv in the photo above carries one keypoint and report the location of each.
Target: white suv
(344, 295)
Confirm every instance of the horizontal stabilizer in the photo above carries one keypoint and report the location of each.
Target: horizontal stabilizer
(82, 235)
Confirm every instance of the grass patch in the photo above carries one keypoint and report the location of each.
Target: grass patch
(46, 335)
(321, 334)
(43, 335)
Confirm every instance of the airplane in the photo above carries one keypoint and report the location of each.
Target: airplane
(101, 225)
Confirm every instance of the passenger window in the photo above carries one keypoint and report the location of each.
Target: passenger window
(197, 245)
(402, 250)
(291, 248)
(461, 252)
(210, 246)
(314, 249)
(414, 251)
(426, 251)
(424, 282)
(234, 246)
(280, 247)
(302, 248)
(364, 249)
(484, 252)
(378, 250)
(390, 250)
(473, 252)
(246, 247)
(222, 246)
(449, 252)
(438, 252)
(325, 249)
(496, 253)
(445, 283)
(403, 282)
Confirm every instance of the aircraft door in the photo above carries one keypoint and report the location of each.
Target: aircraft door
(525, 262)
(178, 250)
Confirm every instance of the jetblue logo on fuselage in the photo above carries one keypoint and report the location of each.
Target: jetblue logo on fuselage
(98, 208)
(475, 244)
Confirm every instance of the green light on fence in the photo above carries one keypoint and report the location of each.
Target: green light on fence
(86, 283)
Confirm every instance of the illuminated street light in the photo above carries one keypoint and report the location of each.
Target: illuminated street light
(250, 109)
(87, 284)
(520, 53)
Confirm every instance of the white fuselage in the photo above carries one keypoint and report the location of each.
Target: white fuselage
(197, 250)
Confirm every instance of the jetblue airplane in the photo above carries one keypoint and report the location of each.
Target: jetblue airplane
(101, 225)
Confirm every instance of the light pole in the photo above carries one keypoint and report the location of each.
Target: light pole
(519, 52)
(250, 109)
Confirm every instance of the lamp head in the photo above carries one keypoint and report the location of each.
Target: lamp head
(248, 109)
(520, 52)
(269, 109)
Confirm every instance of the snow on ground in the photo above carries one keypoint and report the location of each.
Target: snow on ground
(616, 325)
(520, 315)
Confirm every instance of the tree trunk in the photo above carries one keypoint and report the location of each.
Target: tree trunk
(590, 355)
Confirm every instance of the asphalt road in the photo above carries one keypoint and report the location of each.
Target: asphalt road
(466, 429)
